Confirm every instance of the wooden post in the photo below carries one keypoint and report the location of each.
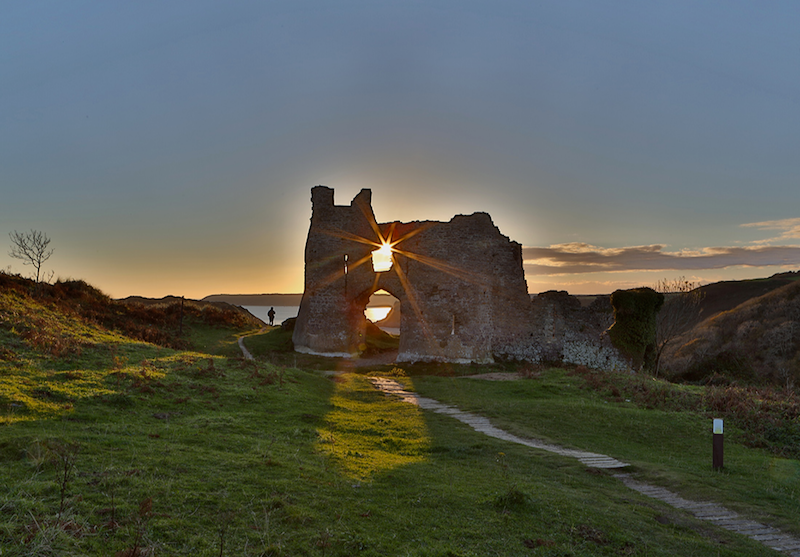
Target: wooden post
(717, 450)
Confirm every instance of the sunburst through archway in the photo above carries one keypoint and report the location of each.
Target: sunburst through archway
(382, 258)
(389, 254)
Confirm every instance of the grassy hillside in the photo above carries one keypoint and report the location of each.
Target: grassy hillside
(756, 342)
(111, 445)
(168, 322)
(726, 295)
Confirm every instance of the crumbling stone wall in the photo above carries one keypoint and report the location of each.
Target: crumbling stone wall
(569, 332)
(460, 284)
(328, 321)
(554, 313)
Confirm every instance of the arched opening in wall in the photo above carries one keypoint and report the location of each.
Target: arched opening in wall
(383, 309)
(382, 340)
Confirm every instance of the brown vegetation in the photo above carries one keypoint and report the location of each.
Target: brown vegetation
(681, 308)
(769, 417)
(155, 321)
(757, 342)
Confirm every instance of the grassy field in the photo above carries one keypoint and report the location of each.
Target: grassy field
(119, 447)
(669, 448)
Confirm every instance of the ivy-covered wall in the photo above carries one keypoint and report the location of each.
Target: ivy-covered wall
(634, 329)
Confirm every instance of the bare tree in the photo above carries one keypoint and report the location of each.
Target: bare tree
(681, 307)
(32, 248)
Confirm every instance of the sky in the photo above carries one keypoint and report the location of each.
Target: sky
(169, 148)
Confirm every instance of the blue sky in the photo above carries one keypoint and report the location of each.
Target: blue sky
(170, 147)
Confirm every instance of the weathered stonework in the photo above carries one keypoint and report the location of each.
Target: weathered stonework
(554, 313)
(460, 284)
(567, 332)
(461, 291)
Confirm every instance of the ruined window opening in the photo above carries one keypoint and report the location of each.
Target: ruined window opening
(382, 259)
(383, 308)
(453, 330)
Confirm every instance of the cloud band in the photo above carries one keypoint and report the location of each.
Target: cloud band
(575, 258)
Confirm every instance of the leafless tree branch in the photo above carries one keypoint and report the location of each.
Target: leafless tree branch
(31, 248)
(681, 306)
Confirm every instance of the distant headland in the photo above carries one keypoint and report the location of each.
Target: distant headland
(281, 299)
(256, 299)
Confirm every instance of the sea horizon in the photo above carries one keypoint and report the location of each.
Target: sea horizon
(282, 313)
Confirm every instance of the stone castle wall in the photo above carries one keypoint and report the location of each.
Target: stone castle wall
(568, 332)
(460, 285)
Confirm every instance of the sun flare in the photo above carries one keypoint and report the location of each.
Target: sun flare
(382, 258)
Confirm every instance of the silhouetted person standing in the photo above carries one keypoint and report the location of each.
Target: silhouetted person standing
(271, 315)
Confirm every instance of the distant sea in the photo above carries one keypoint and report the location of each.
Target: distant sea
(282, 313)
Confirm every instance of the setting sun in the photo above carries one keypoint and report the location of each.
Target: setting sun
(382, 258)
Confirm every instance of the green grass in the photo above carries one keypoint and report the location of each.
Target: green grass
(366, 434)
(110, 446)
(274, 345)
(210, 451)
(670, 448)
(219, 341)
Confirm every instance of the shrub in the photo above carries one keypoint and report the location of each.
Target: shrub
(726, 363)
(634, 329)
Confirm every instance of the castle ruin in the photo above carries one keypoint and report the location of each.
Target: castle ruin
(461, 290)
(461, 286)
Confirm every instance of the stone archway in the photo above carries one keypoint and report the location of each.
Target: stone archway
(383, 310)
(460, 285)
(373, 342)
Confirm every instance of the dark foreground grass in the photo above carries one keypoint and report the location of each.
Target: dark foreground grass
(670, 448)
(187, 454)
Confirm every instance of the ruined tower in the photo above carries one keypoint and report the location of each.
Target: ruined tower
(460, 284)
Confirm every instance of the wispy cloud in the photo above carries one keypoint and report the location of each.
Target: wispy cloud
(574, 258)
(789, 229)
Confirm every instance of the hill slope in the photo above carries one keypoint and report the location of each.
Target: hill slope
(726, 295)
(758, 340)
(256, 299)
(156, 321)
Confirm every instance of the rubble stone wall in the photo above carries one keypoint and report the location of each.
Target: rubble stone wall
(568, 332)
(460, 284)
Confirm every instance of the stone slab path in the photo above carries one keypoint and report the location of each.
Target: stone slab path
(711, 512)
(482, 425)
(718, 515)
